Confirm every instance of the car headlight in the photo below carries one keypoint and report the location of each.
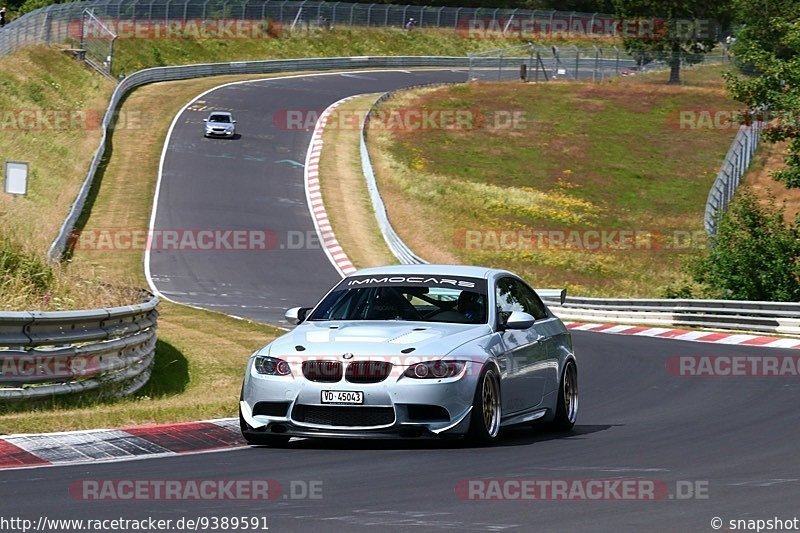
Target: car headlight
(271, 366)
(435, 369)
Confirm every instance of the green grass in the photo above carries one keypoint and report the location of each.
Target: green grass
(45, 83)
(43, 80)
(589, 157)
(134, 54)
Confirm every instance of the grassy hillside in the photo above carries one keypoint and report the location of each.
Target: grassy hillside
(49, 116)
(50, 108)
(606, 157)
(134, 54)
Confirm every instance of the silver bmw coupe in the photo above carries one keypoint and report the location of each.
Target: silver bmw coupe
(412, 352)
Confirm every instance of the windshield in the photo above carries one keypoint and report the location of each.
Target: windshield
(417, 298)
(220, 118)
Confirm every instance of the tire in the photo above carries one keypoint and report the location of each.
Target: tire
(567, 407)
(267, 439)
(484, 425)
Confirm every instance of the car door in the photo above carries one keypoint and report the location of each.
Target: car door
(524, 363)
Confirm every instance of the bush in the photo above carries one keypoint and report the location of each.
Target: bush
(24, 269)
(755, 254)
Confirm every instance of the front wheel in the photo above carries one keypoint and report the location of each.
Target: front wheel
(567, 408)
(484, 424)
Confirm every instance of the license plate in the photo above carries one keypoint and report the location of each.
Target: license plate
(342, 396)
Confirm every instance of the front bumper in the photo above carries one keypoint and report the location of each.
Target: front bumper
(398, 398)
(219, 133)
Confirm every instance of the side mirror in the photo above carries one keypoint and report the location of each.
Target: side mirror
(205, 120)
(296, 315)
(233, 122)
(519, 320)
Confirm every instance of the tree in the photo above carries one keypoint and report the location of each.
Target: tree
(768, 43)
(671, 30)
(755, 254)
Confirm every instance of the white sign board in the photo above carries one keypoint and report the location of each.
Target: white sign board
(16, 177)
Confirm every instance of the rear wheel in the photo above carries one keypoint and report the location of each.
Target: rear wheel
(484, 424)
(567, 408)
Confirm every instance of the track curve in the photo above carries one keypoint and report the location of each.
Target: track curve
(253, 183)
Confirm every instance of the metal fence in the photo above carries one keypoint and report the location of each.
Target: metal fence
(109, 351)
(58, 23)
(543, 63)
(736, 162)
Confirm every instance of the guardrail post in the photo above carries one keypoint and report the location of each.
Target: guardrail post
(500, 68)
(47, 26)
(369, 15)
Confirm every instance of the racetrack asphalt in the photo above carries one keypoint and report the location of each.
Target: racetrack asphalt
(733, 439)
(254, 183)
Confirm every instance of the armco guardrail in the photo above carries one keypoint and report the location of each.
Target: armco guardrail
(400, 250)
(768, 317)
(734, 166)
(108, 350)
(158, 74)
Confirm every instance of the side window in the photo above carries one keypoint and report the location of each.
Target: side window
(534, 303)
(512, 295)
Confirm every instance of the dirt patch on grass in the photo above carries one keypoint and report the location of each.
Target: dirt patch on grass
(770, 158)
